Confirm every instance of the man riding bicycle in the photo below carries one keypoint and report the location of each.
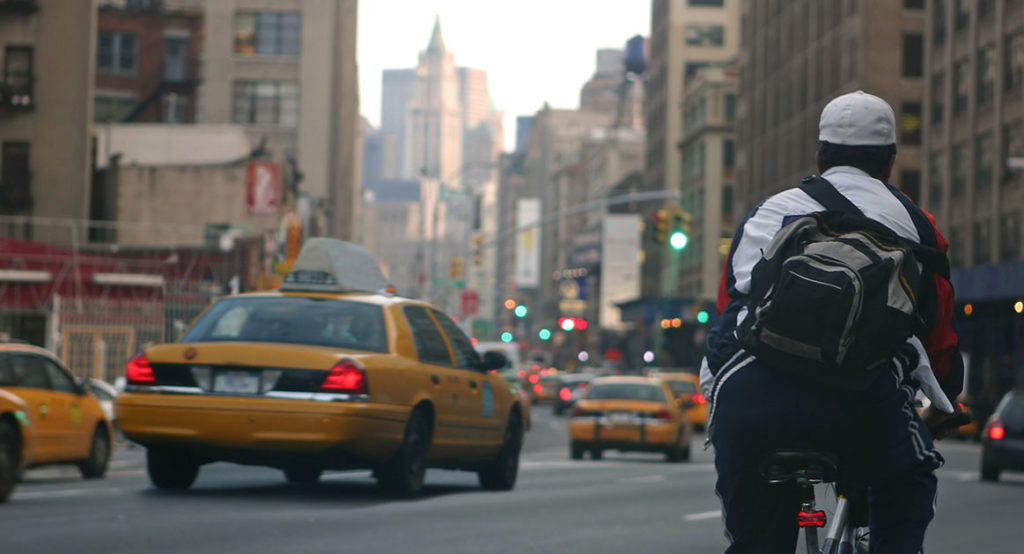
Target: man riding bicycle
(875, 430)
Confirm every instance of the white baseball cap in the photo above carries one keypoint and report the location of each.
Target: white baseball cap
(858, 119)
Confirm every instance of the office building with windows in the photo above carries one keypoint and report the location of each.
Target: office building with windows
(286, 70)
(46, 102)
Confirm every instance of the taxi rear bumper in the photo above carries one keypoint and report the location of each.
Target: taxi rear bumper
(248, 429)
(595, 432)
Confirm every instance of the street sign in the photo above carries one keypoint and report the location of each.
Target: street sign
(470, 302)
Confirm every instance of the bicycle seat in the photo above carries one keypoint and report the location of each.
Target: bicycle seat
(813, 466)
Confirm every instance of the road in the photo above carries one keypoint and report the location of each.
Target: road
(622, 504)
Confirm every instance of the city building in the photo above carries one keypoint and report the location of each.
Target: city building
(433, 139)
(286, 71)
(396, 94)
(46, 105)
(972, 170)
(147, 63)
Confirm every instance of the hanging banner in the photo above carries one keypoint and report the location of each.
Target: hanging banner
(528, 244)
(263, 188)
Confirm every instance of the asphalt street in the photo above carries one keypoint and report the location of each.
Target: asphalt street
(625, 503)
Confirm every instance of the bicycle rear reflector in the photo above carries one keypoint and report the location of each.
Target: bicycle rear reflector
(811, 519)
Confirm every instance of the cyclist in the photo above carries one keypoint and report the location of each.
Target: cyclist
(877, 433)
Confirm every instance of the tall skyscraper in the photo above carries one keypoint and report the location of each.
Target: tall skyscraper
(433, 136)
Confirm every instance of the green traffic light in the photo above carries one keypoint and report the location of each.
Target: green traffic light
(544, 334)
(506, 337)
(678, 240)
(521, 311)
(702, 317)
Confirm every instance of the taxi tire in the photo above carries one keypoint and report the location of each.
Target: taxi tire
(95, 466)
(8, 459)
(576, 451)
(302, 475)
(404, 474)
(169, 470)
(596, 453)
(678, 453)
(500, 473)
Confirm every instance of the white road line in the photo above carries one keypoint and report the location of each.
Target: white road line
(66, 493)
(644, 479)
(703, 515)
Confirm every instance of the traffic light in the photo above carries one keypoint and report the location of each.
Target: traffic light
(521, 311)
(507, 337)
(457, 270)
(478, 248)
(679, 222)
(544, 334)
(661, 226)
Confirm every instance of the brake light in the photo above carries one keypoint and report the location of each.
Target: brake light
(565, 394)
(996, 432)
(347, 376)
(811, 519)
(139, 371)
(534, 378)
(522, 373)
(663, 415)
(699, 399)
(538, 388)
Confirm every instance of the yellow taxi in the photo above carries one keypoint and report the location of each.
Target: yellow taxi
(546, 386)
(325, 373)
(686, 388)
(629, 414)
(46, 417)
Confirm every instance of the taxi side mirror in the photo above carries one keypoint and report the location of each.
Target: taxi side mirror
(493, 360)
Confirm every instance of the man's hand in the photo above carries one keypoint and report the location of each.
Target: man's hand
(943, 425)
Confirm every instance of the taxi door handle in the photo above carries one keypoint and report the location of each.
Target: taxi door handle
(472, 384)
(435, 379)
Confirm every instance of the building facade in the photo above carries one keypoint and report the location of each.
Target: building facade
(433, 139)
(46, 103)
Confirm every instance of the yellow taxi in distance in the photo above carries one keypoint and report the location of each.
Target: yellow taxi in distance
(686, 388)
(629, 414)
(46, 417)
(545, 388)
(326, 373)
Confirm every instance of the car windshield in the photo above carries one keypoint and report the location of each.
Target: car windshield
(293, 320)
(682, 387)
(626, 391)
(1013, 411)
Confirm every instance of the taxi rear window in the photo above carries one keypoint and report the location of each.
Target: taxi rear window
(626, 391)
(293, 320)
(682, 387)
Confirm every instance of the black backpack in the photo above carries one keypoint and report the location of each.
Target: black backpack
(836, 294)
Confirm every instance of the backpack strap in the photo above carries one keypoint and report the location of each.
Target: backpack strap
(822, 191)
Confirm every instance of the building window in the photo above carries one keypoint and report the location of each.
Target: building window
(939, 21)
(962, 15)
(730, 107)
(1013, 62)
(986, 74)
(117, 53)
(728, 154)
(936, 184)
(913, 4)
(956, 246)
(1009, 237)
(113, 106)
(959, 169)
(910, 184)
(913, 55)
(173, 108)
(910, 123)
(961, 86)
(984, 157)
(18, 75)
(727, 201)
(266, 103)
(1013, 147)
(268, 33)
(175, 58)
(982, 242)
(938, 96)
(986, 8)
(15, 190)
(713, 3)
(703, 34)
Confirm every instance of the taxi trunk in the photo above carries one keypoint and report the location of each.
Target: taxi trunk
(624, 424)
(247, 398)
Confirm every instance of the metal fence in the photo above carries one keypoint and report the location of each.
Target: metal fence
(75, 289)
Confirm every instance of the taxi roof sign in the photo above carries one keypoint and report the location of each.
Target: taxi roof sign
(333, 265)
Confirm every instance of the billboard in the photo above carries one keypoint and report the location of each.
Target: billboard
(620, 266)
(527, 273)
(263, 188)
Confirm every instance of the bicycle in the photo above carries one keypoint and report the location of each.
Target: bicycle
(847, 531)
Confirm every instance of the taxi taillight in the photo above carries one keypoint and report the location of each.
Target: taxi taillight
(997, 432)
(663, 415)
(699, 399)
(348, 377)
(565, 394)
(139, 371)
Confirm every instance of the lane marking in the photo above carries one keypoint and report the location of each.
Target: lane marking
(703, 515)
(66, 493)
(645, 479)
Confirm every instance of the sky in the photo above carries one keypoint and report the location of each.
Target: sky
(533, 50)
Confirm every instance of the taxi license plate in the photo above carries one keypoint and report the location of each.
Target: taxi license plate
(236, 382)
(620, 417)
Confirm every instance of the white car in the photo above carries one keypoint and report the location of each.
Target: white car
(105, 393)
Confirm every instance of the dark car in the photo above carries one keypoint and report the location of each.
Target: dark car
(1002, 440)
(569, 389)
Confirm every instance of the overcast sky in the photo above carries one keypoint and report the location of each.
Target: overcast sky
(533, 50)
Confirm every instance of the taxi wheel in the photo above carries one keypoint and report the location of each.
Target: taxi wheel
(169, 470)
(596, 454)
(500, 474)
(8, 459)
(302, 475)
(678, 453)
(576, 451)
(95, 466)
(403, 475)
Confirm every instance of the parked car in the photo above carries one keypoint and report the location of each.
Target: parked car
(1002, 440)
(570, 388)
